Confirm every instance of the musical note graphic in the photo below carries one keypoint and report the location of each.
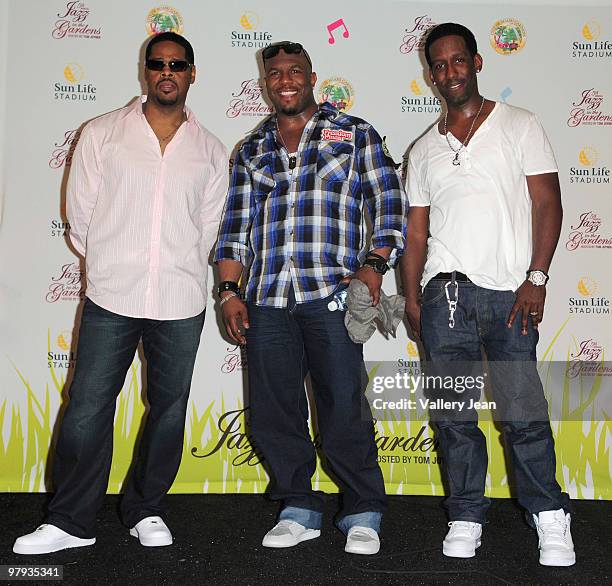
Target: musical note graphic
(333, 26)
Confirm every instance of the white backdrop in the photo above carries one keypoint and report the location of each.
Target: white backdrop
(64, 63)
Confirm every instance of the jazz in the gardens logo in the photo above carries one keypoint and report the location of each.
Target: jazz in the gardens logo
(420, 99)
(74, 86)
(72, 21)
(58, 228)
(338, 92)
(588, 360)
(585, 233)
(59, 353)
(587, 301)
(587, 171)
(508, 36)
(592, 45)
(164, 19)
(587, 110)
(247, 35)
(247, 100)
(415, 34)
(232, 437)
(235, 360)
(66, 285)
(63, 149)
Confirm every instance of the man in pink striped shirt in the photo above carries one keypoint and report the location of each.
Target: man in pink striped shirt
(144, 200)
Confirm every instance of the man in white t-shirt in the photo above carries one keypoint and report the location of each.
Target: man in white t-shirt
(481, 260)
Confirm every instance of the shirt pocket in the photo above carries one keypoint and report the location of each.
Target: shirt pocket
(262, 176)
(334, 161)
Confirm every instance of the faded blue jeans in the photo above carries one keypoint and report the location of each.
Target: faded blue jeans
(283, 346)
(480, 322)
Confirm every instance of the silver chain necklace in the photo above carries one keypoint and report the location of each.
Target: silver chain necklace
(456, 160)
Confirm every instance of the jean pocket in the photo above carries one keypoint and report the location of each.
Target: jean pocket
(433, 293)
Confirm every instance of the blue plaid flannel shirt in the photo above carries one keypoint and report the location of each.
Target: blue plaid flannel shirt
(306, 226)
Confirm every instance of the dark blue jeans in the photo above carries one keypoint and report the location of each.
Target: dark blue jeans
(283, 346)
(480, 322)
(82, 462)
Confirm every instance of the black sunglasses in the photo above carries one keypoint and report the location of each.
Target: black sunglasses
(175, 65)
(288, 47)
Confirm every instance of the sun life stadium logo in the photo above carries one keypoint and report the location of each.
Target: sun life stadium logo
(508, 36)
(248, 37)
(587, 172)
(591, 46)
(164, 19)
(586, 302)
(338, 92)
(72, 23)
(59, 228)
(61, 356)
(415, 34)
(421, 99)
(71, 89)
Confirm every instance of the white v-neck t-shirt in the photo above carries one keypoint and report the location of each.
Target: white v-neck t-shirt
(480, 210)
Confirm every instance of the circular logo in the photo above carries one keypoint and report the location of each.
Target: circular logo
(338, 92)
(587, 287)
(164, 19)
(591, 30)
(73, 73)
(588, 156)
(249, 21)
(508, 36)
(64, 339)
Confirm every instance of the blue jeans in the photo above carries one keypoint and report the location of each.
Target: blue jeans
(82, 460)
(283, 346)
(480, 322)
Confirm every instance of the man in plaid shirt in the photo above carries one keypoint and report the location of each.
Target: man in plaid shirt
(295, 213)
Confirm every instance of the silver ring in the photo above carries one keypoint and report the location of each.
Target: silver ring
(534, 313)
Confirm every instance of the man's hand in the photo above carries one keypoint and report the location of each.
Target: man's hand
(235, 315)
(372, 280)
(413, 312)
(529, 300)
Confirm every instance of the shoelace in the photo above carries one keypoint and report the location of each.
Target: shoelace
(556, 528)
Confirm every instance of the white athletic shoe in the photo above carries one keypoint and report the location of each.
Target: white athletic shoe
(152, 532)
(462, 539)
(362, 540)
(555, 539)
(287, 533)
(47, 539)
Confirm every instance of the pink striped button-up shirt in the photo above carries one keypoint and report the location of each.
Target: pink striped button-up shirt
(145, 222)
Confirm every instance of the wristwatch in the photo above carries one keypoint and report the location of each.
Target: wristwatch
(378, 263)
(537, 277)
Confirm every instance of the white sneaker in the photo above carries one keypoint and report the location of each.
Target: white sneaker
(287, 533)
(462, 539)
(46, 539)
(152, 532)
(555, 540)
(362, 540)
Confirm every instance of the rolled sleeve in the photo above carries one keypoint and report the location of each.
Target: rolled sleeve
(384, 195)
(237, 216)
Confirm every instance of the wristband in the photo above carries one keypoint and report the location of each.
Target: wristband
(228, 286)
(226, 297)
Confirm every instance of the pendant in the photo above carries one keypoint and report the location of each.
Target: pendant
(456, 160)
(292, 162)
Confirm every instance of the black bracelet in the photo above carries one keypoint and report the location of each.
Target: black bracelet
(375, 255)
(228, 286)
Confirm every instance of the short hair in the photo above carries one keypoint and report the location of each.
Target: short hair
(447, 29)
(174, 38)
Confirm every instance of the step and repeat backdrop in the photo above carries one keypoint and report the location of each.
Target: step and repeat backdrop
(68, 62)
